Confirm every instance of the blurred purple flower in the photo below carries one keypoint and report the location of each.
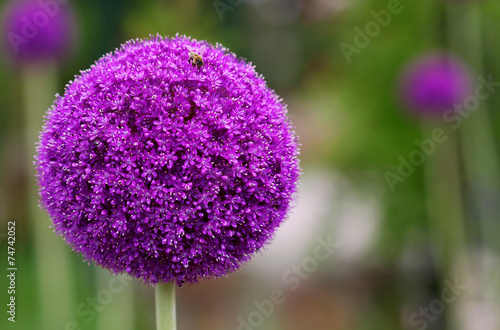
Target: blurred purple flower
(38, 30)
(150, 165)
(434, 83)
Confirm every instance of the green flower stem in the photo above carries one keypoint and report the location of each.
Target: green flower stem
(165, 306)
(443, 184)
(52, 256)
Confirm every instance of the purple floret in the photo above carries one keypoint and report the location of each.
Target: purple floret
(168, 171)
(434, 84)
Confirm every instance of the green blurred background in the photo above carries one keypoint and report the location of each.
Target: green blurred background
(424, 255)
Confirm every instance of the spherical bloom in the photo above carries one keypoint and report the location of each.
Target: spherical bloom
(169, 169)
(38, 30)
(434, 84)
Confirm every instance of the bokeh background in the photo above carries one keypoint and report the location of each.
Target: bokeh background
(414, 230)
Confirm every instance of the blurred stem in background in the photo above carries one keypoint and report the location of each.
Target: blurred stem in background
(56, 298)
(165, 306)
(443, 182)
(480, 157)
(477, 139)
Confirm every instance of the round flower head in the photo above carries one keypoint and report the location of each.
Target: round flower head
(37, 30)
(434, 84)
(169, 159)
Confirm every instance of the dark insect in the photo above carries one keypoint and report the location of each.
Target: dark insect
(195, 59)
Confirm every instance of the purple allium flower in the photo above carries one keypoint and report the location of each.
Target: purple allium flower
(434, 83)
(38, 30)
(171, 172)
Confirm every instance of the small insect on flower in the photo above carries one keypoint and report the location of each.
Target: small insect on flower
(195, 59)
